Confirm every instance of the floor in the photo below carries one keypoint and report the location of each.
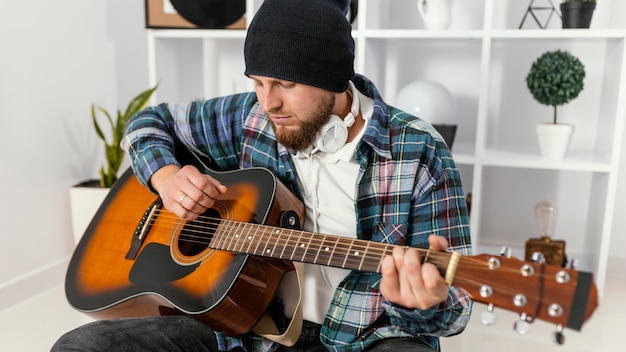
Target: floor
(35, 324)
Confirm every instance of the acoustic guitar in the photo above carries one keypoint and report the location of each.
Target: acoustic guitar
(138, 259)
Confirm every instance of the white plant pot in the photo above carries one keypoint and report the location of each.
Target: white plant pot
(84, 203)
(554, 139)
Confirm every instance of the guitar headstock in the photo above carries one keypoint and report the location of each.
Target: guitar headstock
(562, 296)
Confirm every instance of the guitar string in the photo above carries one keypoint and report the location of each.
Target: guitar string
(196, 230)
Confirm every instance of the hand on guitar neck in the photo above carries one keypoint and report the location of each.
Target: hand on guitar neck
(409, 283)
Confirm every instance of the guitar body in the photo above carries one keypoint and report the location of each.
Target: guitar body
(135, 258)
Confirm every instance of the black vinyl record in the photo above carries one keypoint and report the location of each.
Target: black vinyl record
(210, 13)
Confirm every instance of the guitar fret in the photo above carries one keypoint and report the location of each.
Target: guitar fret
(245, 240)
(331, 254)
(216, 238)
(267, 250)
(279, 242)
(386, 250)
(288, 249)
(237, 237)
(295, 247)
(322, 249)
(282, 245)
(255, 238)
(349, 249)
(353, 256)
(336, 256)
(306, 248)
(370, 262)
(364, 255)
(221, 235)
(228, 240)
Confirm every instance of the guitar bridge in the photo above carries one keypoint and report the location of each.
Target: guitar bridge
(139, 235)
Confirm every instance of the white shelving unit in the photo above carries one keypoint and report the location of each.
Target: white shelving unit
(483, 58)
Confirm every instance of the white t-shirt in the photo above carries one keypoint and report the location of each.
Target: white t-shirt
(329, 209)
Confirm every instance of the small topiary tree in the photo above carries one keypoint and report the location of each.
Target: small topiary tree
(555, 78)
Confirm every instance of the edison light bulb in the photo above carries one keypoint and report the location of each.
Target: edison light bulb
(545, 215)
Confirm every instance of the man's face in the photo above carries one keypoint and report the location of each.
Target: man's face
(297, 111)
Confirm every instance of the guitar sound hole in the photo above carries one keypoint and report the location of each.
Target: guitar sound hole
(196, 235)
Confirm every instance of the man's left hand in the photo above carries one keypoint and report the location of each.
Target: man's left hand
(408, 283)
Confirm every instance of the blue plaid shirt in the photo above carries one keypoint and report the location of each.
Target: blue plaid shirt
(408, 188)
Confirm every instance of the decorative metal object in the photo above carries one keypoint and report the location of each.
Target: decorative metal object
(532, 8)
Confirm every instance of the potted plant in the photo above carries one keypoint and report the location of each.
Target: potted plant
(86, 197)
(112, 150)
(555, 78)
(577, 13)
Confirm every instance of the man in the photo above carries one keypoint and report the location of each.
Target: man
(363, 169)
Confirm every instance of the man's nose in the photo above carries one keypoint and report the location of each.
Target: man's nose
(269, 99)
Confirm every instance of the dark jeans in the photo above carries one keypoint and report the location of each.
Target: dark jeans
(181, 334)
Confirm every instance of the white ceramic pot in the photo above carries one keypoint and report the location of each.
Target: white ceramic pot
(554, 139)
(84, 203)
(437, 14)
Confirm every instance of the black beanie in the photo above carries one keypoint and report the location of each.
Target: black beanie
(302, 41)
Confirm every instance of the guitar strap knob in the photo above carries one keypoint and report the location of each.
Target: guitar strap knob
(289, 220)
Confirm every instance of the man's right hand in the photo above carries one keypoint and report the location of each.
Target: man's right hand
(186, 191)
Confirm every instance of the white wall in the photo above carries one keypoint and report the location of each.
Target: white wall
(56, 58)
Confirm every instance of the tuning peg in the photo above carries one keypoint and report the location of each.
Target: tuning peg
(559, 338)
(488, 317)
(523, 325)
(538, 258)
(505, 252)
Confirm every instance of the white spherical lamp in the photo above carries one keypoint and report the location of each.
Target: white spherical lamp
(428, 100)
(431, 101)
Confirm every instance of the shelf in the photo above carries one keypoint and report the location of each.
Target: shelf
(420, 33)
(557, 34)
(416, 33)
(527, 157)
(463, 153)
(198, 33)
(483, 60)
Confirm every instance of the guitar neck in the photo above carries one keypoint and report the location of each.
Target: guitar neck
(309, 247)
(562, 296)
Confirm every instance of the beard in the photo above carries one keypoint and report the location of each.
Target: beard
(305, 135)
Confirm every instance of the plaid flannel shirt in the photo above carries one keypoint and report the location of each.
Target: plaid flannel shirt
(409, 187)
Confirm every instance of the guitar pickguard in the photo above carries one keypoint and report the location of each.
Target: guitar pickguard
(155, 266)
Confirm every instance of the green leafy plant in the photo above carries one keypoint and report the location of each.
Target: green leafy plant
(556, 78)
(114, 154)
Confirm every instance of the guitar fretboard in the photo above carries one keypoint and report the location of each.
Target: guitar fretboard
(309, 247)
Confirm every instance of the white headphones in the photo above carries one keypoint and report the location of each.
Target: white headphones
(334, 134)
